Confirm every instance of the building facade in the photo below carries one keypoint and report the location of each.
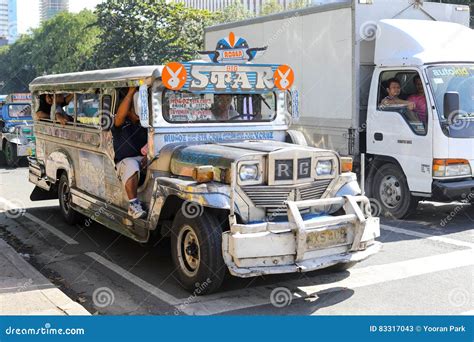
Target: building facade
(49, 8)
(12, 21)
(254, 6)
(3, 22)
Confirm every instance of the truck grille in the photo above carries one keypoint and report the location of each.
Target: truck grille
(272, 197)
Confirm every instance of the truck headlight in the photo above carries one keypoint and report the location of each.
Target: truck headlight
(324, 168)
(451, 168)
(248, 172)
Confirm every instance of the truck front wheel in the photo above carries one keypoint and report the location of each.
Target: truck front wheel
(196, 249)
(392, 192)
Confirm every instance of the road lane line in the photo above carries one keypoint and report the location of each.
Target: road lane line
(359, 277)
(144, 285)
(428, 236)
(40, 222)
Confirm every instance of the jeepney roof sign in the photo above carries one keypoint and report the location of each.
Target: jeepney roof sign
(18, 98)
(227, 78)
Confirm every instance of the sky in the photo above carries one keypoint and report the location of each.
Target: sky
(28, 11)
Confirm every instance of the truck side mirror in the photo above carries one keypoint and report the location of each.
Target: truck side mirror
(141, 106)
(450, 105)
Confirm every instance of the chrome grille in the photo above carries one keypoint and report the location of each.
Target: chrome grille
(273, 197)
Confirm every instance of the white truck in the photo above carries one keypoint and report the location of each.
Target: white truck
(419, 144)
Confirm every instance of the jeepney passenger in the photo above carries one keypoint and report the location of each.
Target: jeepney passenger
(46, 102)
(129, 138)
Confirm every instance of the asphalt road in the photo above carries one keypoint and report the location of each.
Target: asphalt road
(424, 268)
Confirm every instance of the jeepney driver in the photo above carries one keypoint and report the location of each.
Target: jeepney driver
(129, 139)
(222, 108)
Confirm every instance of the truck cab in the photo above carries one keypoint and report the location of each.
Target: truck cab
(425, 152)
(16, 125)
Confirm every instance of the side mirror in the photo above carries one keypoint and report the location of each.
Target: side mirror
(140, 100)
(450, 105)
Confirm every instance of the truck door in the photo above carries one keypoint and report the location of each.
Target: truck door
(395, 130)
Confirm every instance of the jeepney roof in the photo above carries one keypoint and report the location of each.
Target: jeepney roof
(96, 78)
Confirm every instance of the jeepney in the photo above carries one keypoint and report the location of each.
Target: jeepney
(242, 193)
(16, 125)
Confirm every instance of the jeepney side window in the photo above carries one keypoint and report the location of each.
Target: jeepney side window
(88, 113)
(43, 107)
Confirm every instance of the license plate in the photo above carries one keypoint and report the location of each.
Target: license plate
(326, 238)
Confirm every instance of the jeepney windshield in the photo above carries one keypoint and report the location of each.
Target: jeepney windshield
(460, 79)
(187, 107)
(19, 110)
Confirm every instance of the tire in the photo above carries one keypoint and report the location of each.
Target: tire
(196, 250)
(11, 157)
(64, 194)
(392, 192)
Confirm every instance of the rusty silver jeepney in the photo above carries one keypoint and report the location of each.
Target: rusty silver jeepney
(239, 192)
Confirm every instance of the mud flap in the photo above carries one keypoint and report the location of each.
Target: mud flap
(40, 194)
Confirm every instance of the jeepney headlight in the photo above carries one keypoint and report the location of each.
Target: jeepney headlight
(249, 172)
(11, 129)
(324, 168)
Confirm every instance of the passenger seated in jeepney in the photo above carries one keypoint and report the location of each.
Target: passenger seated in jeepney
(129, 140)
(46, 102)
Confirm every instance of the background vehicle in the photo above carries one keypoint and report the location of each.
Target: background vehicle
(230, 192)
(344, 53)
(16, 125)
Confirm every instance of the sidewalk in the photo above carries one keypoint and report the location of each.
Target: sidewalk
(25, 291)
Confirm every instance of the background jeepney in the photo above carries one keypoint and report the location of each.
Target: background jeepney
(16, 128)
(215, 187)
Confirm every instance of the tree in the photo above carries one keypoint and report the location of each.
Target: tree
(270, 7)
(234, 12)
(297, 4)
(63, 44)
(140, 32)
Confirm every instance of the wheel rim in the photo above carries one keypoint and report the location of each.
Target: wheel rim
(189, 254)
(390, 191)
(65, 197)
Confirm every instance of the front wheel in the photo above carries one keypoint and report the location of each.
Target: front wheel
(392, 192)
(64, 195)
(11, 157)
(196, 249)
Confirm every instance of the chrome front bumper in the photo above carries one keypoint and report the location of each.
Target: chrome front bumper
(303, 245)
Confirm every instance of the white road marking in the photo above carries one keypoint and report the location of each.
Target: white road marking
(428, 236)
(160, 294)
(371, 275)
(7, 205)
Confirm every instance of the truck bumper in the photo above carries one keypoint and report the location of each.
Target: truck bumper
(303, 244)
(25, 150)
(453, 191)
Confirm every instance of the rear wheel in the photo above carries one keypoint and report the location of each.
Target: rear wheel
(196, 248)
(64, 195)
(392, 192)
(11, 157)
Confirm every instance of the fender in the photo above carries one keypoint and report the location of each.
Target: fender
(59, 160)
(205, 195)
(16, 140)
(296, 137)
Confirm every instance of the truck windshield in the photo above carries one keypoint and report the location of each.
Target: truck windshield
(460, 79)
(186, 107)
(19, 110)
